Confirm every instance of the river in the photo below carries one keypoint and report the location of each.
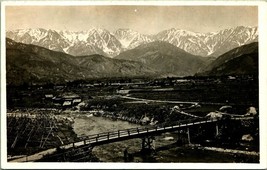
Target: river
(88, 125)
(114, 152)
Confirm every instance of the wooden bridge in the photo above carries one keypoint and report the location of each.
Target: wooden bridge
(145, 133)
(139, 132)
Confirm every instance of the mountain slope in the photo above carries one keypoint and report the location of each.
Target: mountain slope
(241, 60)
(30, 63)
(38, 64)
(108, 67)
(103, 42)
(164, 57)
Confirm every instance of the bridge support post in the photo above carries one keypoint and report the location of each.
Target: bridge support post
(217, 130)
(188, 135)
(181, 139)
(148, 144)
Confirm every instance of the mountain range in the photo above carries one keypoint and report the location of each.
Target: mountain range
(27, 63)
(110, 44)
(30, 63)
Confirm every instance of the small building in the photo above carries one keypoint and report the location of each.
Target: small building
(79, 100)
(49, 96)
(214, 115)
(67, 103)
(123, 91)
(68, 99)
(69, 96)
(145, 120)
(231, 78)
(251, 111)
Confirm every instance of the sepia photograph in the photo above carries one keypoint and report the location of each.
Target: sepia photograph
(131, 83)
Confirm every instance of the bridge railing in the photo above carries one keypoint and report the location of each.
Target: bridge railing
(146, 129)
(86, 142)
(133, 131)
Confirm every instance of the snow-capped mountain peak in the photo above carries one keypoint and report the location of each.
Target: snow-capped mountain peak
(206, 44)
(131, 39)
(183, 32)
(101, 41)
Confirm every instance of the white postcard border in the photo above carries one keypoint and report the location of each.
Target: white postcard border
(262, 20)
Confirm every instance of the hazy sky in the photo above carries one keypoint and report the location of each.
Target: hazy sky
(145, 19)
